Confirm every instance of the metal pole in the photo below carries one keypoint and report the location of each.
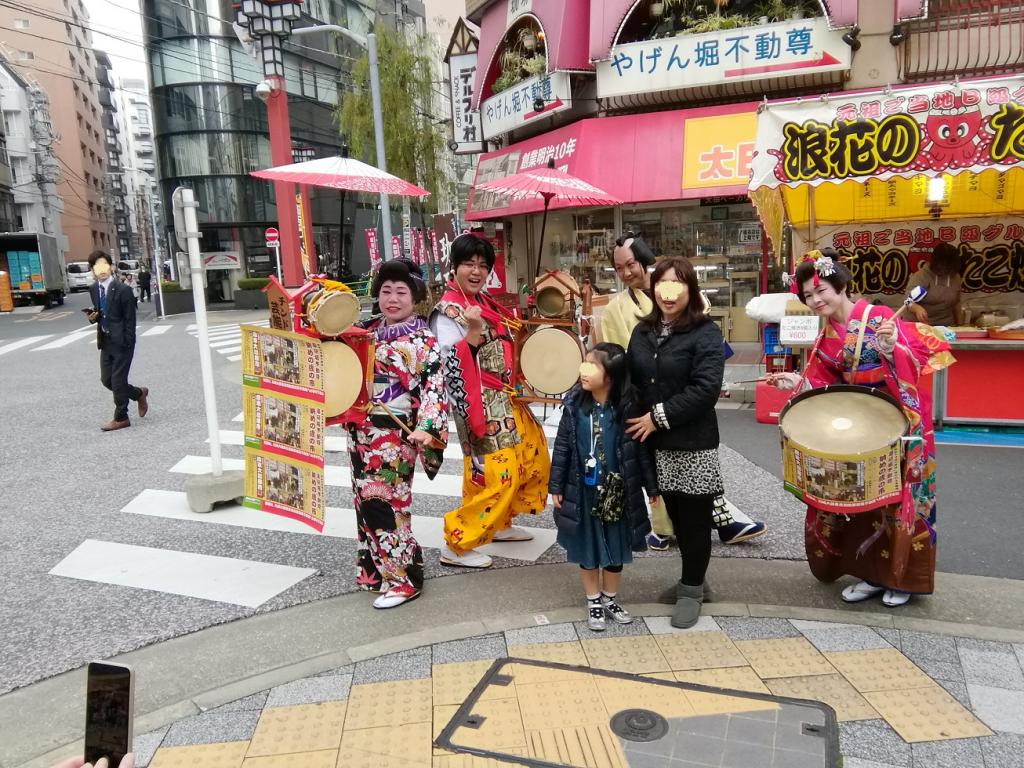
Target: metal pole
(277, 257)
(378, 132)
(205, 362)
(157, 256)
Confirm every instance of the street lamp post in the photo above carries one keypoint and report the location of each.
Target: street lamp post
(269, 22)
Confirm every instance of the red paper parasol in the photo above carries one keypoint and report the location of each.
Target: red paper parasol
(342, 173)
(548, 183)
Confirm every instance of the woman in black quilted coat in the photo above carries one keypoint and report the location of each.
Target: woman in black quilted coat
(597, 481)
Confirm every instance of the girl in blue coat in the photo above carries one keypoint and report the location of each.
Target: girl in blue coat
(597, 482)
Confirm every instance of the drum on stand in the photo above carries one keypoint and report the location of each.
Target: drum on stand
(330, 312)
(549, 360)
(348, 371)
(554, 294)
(842, 448)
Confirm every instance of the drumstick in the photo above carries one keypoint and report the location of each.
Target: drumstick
(398, 421)
(916, 294)
(748, 381)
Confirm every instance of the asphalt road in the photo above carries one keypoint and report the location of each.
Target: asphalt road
(64, 482)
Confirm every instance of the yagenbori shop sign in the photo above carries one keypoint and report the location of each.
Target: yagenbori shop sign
(883, 257)
(515, 107)
(942, 129)
(790, 48)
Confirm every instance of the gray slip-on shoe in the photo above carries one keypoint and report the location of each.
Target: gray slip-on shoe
(687, 610)
(668, 597)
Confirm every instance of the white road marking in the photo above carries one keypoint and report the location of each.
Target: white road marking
(338, 522)
(71, 338)
(156, 330)
(10, 347)
(229, 350)
(222, 579)
(235, 358)
(226, 343)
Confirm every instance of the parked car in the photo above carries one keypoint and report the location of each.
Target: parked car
(80, 277)
(129, 267)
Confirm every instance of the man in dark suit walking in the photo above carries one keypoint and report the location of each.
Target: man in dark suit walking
(114, 313)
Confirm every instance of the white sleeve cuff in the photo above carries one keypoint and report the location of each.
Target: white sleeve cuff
(659, 416)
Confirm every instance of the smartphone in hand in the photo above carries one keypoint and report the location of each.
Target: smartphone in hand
(109, 712)
(88, 310)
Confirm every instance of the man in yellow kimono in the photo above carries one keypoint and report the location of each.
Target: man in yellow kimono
(632, 259)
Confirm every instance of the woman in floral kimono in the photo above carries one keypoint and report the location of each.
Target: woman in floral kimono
(506, 463)
(407, 416)
(891, 549)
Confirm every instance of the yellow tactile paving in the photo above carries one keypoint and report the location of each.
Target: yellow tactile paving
(667, 701)
(700, 650)
(734, 678)
(398, 703)
(324, 759)
(471, 761)
(626, 654)
(501, 729)
(442, 716)
(228, 754)
(879, 670)
(671, 676)
(926, 714)
(304, 728)
(834, 690)
(452, 683)
(408, 744)
(560, 653)
(594, 747)
(784, 657)
(561, 704)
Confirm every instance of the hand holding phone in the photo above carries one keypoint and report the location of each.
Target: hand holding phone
(109, 712)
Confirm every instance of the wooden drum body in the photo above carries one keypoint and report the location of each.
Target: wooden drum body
(554, 295)
(549, 360)
(842, 448)
(330, 312)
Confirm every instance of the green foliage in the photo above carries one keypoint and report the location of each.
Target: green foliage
(714, 23)
(252, 283)
(170, 286)
(413, 144)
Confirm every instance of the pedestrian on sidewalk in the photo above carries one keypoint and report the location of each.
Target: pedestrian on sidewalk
(505, 465)
(676, 363)
(598, 478)
(892, 549)
(407, 417)
(113, 312)
(145, 280)
(633, 261)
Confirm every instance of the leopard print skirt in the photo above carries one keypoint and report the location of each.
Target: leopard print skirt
(696, 473)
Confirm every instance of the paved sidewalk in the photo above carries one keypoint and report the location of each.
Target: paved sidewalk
(363, 687)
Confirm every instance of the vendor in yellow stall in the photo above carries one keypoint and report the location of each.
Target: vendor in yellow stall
(941, 276)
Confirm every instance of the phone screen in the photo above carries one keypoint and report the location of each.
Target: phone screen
(108, 713)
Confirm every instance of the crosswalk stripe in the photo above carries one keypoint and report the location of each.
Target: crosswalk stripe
(338, 522)
(71, 338)
(157, 330)
(221, 579)
(224, 343)
(234, 358)
(213, 337)
(229, 350)
(22, 343)
(336, 477)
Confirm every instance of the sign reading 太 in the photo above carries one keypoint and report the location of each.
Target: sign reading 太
(786, 49)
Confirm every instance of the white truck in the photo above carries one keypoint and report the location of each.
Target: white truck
(35, 267)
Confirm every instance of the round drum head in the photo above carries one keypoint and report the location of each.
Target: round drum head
(550, 360)
(333, 312)
(343, 377)
(551, 301)
(843, 421)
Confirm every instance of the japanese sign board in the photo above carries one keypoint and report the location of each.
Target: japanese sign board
(799, 330)
(372, 248)
(513, 108)
(717, 150)
(465, 120)
(787, 49)
(221, 260)
(882, 258)
(444, 233)
(283, 399)
(396, 247)
(913, 132)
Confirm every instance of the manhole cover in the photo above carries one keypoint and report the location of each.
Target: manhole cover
(639, 725)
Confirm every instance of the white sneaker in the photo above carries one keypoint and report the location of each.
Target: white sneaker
(860, 592)
(470, 559)
(894, 599)
(513, 533)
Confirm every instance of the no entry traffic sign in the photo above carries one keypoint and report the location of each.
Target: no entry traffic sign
(273, 237)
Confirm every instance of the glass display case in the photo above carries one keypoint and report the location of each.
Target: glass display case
(595, 239)
(727, 257)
